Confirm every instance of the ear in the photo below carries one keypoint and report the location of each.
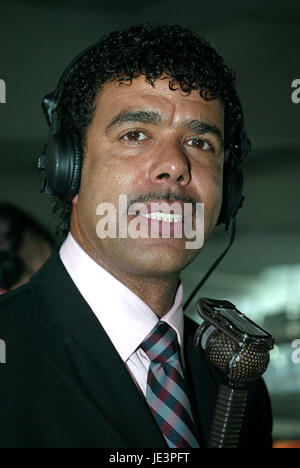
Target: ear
(75, 200)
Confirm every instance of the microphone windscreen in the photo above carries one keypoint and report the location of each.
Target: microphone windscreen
(242, 362)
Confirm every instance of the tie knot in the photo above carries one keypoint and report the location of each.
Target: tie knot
(161, 344)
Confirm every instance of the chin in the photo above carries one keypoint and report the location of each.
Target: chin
(159, 259)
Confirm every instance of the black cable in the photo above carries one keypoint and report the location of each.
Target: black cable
(207, 275)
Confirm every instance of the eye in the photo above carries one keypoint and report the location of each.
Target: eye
(200, 144)
(134, 136)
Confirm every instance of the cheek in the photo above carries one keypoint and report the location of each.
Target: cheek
(217, 194)
(219, 188)
(210, 183)
(210, 189)
(104, 179)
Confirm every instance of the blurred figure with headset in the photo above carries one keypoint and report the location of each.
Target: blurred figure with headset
(24, 246)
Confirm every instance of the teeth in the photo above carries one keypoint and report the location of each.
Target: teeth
(170, 218)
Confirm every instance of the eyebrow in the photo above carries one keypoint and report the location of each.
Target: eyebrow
(155, 118)
(146, 117)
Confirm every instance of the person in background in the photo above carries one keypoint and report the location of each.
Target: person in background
(24, 246)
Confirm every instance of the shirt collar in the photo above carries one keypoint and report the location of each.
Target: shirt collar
(125, 317)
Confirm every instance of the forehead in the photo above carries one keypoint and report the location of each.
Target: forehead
(174, 105)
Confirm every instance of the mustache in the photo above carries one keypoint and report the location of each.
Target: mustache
(163, 196)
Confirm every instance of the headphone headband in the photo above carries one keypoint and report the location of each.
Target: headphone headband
(51, 100)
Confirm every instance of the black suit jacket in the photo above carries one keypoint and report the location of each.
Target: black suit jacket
(64, 384)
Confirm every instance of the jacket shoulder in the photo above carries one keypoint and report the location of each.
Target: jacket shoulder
(14, 302)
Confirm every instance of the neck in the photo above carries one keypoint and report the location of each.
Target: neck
(158, 292)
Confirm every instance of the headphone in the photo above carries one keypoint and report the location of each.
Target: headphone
(61, 160)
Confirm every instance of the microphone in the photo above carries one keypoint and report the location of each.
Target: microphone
(240, 348)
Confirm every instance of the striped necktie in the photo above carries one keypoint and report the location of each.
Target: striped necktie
(165, 393)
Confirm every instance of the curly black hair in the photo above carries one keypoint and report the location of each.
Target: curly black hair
(183, 56)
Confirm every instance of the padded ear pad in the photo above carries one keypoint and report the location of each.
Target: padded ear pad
(62, 165)
(232, 190)
(77, 166)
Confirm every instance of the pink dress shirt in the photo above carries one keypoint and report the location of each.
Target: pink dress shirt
(126, 319)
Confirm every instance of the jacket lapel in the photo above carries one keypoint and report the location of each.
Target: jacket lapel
(98, 368)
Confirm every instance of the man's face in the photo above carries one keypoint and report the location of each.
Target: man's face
(149, 142)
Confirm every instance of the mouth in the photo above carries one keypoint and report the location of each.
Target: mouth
(162, 210)
(165, 217)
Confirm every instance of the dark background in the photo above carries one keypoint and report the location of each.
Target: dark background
(258, 39)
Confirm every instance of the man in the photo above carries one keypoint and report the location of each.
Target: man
(24, 246)
(155, 109)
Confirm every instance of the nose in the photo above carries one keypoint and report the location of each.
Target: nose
(170, 166)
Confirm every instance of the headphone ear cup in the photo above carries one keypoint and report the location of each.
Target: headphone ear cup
(61, 162)
(77, 164)
(233, 182)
